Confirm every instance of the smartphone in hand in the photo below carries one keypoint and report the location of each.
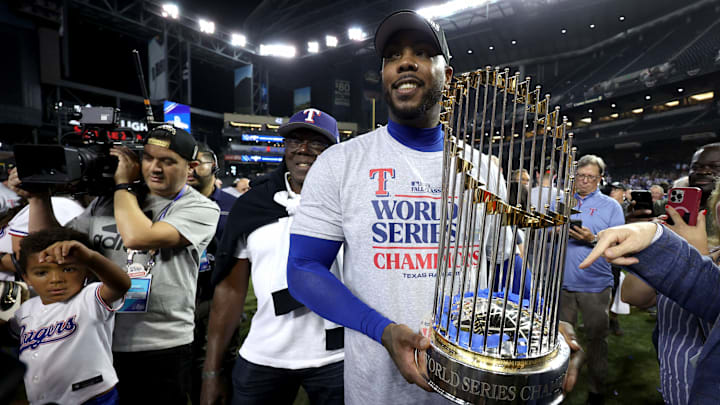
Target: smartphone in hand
(686, 201)
(643, 201)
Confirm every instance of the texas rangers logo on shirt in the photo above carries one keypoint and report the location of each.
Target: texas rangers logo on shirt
(53, 332)
(382, 175)
(407, 230)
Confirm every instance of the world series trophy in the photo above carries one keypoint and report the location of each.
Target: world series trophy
(494, 338)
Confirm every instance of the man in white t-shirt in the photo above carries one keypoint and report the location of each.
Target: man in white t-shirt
(288, 346)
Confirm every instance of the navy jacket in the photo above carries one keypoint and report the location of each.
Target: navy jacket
(681, 273)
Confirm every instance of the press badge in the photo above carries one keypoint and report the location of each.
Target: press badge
(137, 297)
(204, 262)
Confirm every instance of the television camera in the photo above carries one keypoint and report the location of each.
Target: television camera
(85, 164)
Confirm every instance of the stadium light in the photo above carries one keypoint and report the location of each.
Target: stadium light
(331, 41)
(592, 26)
(279, 50)
(590, 110)
(492, 48)
(586, 120)
(313, 47)
(238, 40)
(514, 42)
(206, 26)
(647, 97)
(621, 18)
(638, 111)
(680, 89)
(170, 10)
(613, 105)
(449, 8)
(563, 31)
(356, 34)
(673, 103)
(470, 51)
(703, 96)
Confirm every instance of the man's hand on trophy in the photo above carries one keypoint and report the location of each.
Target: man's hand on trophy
(128, 169)
(614, 244)
(401, 343)
(581, 233)
(577, 355)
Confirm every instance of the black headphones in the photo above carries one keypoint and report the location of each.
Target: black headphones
(216, 167)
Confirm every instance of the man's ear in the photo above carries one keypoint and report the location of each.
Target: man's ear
(448, 73)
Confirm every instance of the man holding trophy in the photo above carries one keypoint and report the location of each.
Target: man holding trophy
(382, 194)
(382, 278)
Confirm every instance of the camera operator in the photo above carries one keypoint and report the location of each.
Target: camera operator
(160, 235)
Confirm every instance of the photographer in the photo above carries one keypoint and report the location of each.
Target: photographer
(160, 235)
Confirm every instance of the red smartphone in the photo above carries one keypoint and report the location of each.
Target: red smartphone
(686, 201)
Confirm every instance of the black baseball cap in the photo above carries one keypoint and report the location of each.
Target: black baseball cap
(176, 139)
(617, 184)
(411, 20)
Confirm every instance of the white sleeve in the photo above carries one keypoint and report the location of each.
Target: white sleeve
(98, 307)
(66, 209)
(241, 250)
(18, 226)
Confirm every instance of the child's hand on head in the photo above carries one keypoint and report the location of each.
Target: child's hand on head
(65, 252)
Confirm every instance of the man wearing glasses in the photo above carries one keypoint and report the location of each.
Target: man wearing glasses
(288, 346)
(588, 290)
(202, 178)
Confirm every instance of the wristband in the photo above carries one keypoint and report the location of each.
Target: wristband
(130, 187)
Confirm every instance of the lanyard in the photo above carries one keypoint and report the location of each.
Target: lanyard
(151, 254)
(167, 207)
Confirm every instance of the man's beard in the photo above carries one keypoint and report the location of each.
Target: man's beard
(429, 100)
(202, 182)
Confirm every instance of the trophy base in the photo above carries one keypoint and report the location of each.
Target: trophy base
(466, 377)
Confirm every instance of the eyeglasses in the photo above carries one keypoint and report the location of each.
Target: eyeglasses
(586, 177)
(293, 144)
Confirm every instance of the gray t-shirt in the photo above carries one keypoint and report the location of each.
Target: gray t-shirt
(383, 200)
(169, 320)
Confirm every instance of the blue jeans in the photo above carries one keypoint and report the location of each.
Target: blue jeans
(256, 384)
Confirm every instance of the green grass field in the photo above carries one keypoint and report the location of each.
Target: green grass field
(632, 370)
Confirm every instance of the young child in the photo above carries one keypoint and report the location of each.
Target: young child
(66, 332)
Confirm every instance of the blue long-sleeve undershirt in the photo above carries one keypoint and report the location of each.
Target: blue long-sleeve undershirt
(311, 282)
